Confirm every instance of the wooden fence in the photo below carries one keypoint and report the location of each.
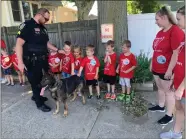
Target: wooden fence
(79, 33)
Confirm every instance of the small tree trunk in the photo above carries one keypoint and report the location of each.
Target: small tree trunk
(114, 12)
(84, 7)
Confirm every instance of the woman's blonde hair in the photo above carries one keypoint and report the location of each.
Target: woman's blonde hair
(80, 49)
(166, 11)
(181, 10)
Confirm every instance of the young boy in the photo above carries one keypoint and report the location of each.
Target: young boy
(127, 64)
(6, 64)
(67, 61)
(54, 63)
(91, 65)
(109, 70)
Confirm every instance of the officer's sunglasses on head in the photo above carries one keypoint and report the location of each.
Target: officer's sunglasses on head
(46, 19)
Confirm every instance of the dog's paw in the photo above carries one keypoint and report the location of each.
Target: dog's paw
(72, 99)
(56, 112)
(65, 113)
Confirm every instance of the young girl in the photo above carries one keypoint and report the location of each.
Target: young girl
(15, 64)
(6, 64)
(54, 62)
(77, 61)
(77, 58)
(179, 78)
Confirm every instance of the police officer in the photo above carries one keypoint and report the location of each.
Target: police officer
(32, 48)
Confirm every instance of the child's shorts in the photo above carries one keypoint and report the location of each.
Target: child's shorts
(7, 71)
(109, 79)
(76, 72)
(92, 82)
(124, 82)
(65, 75)
(183, 100)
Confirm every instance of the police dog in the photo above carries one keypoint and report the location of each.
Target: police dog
(61, 89)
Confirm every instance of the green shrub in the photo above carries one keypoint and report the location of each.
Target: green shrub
(142, 72)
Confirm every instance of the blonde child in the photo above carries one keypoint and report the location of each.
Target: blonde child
(67, 61)
(91, 65)
(77, 58)
(127, 64)
(15, 65)
(6, 64)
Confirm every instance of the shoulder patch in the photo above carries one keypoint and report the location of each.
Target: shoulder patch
(22, 26)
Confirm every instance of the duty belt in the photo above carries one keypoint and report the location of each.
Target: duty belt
(33, 58)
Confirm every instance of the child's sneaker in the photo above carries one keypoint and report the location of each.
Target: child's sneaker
(128, 98)
(121, 97)
(90, 97)
(113, 96)
(98, 97)
(170, 135)
(107, 96)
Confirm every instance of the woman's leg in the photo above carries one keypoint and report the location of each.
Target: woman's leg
(169, 96)
(179, 116)
(176, 133)
(19, 76)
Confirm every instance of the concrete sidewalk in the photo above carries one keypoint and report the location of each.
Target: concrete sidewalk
(96, 119)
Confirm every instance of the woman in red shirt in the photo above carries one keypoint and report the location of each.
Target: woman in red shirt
(164, 59)
(179, 77)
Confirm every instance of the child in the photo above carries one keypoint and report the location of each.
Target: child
(15, 64)
(91, 65)
(109, 70)
(6, 64)
(77, 58)
(127, 64)
(77, 61)
(54, 63)
(67, 61)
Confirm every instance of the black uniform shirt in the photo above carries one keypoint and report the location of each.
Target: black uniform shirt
(35, 36)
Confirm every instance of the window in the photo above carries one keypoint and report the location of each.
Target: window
(26, 10)
(16, 10)
(34, 8)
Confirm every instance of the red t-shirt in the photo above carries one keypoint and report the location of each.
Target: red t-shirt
(5, 61)
(67, 60)
(54, 59)
(179, 70)
(163, 46)
(110, 69)
(15, 61)
(125, 63)
(77, 63)
(90, 66)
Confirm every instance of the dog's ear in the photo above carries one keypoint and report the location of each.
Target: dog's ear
(43, 71)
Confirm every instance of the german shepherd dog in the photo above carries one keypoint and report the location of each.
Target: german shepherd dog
(61, 89)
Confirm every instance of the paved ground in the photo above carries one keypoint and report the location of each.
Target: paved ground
(96, 119)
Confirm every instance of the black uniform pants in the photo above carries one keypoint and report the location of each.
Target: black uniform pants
(34, 75)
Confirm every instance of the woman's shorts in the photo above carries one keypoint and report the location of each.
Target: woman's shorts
(161, 75)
